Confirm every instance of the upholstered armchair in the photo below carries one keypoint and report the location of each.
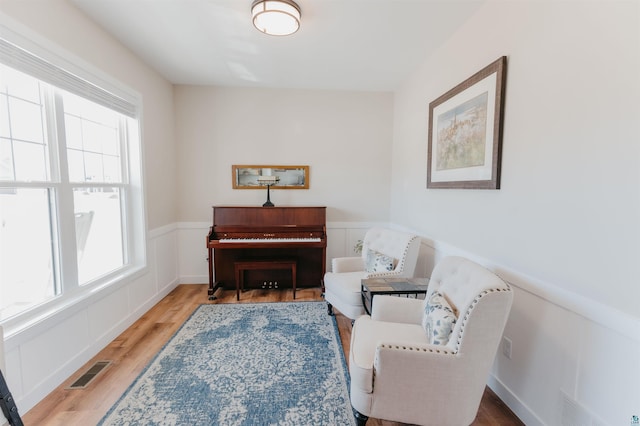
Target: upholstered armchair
(385, 253)
(426, 362)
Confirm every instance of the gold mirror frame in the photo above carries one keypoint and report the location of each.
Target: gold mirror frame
(291, 177)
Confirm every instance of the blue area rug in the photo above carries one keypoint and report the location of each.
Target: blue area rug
(244, 364)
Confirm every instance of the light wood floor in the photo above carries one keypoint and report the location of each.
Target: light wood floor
(135, 347)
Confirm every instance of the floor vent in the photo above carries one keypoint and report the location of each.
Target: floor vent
(91, 374)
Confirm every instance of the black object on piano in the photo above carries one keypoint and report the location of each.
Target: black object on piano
(8, 404)
(256, 233)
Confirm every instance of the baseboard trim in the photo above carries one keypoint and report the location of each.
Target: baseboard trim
(514, 403)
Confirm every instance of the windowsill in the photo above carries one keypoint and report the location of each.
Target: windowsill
(38, 319)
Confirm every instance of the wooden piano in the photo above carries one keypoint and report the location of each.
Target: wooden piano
(241, 233)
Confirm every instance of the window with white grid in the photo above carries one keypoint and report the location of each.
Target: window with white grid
(70, 184)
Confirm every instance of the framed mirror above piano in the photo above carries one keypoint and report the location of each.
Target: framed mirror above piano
(289, 177)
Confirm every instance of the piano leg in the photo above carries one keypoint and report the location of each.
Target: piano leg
(213, 288)
(329, 308)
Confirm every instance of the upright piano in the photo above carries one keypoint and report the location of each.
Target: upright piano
(241, 233)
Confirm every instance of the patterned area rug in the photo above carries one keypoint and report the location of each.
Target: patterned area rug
(244, 364)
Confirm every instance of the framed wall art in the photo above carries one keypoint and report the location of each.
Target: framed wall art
(252, 177)
(465, 132)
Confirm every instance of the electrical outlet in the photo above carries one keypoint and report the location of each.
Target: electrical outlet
(506, 347)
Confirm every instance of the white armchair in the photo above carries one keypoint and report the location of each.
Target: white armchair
(385, 253)
(430, 358)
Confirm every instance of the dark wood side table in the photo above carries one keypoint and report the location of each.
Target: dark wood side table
(394, 286)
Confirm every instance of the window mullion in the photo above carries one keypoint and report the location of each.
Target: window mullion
(64, 194)
(125, 195)
(53, 185)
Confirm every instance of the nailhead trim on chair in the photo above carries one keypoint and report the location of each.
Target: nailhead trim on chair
(411, 348)
(471, 306)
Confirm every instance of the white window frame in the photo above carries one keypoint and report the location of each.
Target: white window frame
(134, 217)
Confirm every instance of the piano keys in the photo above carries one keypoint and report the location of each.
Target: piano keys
(241, 233)
(269, 240)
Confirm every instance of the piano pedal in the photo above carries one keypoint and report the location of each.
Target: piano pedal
(271, 285)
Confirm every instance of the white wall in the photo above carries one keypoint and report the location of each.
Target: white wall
(345, 138)
(564, 226)
(64, 27)
(563, 229)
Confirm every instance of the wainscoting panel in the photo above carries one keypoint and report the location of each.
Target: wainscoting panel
(572, 357)
(165, 247)
(544, 338)
(342, 238)
(2, 365)
(337, 243)
(141, 291)
(40, 355)
(192, 252)
(107, 312)
(609, 357)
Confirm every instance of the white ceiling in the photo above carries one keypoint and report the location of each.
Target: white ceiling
(342, 44)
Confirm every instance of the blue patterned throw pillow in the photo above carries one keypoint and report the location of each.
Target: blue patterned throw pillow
(439, 319)
(378, 262)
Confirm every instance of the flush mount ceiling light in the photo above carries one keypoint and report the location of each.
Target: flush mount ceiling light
(276, 17)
